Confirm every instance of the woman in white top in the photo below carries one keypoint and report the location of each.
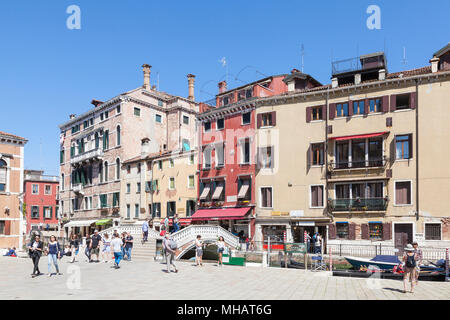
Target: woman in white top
(106, 252)
(220, 249)
(198, 251)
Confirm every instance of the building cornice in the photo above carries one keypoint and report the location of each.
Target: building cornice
(228, 110)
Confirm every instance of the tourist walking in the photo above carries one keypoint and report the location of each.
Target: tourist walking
(198, 251)
(123, 235)
(166, 224)
(74, 247)
(145, 231)
(220, 249)
(128, 245)
(35, 251)
(106, 250)
(96, 241)
(169, 246)
(87, 250)
(419, 256)
(308, 242)
(318, 244)
(410, 260)
(116, 245)
(54, 253)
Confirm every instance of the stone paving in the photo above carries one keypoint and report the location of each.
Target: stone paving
(146, 280)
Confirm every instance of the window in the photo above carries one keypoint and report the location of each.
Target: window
(34, 212)
(100, 172)
(155, 185)
(128, 188)
(47, 212)
(128, 211)
(246, 118)
(207, 126)
(138, 168)
(2, 175)
(266, 119)
(128, 169)
(48, 189)
(191, 183)
(220, 124)
(117, 169)
(61, 156)
(403, 102)
(358, 107)
(317, 158)
(172, 183)
(106, 140)
(136, 210)
(220, 157)
(101, 117)
(266, 197)
(62, 181)
(244, 187)
(138, 187)
(207, 157)
(266, 158)
(219, 194)
(205, 191)
(171, 208)
(432, 231)
(190, 208)
(160, 165)
(137, 112)
(245, 151)
(160, 103)
(97, 140)
(72, 151)
(403, 147)
(156, 210)
(106, 171)
(375, 231)
(185, 119)
(374, 105)
(76, 204)
(35, 189)
(403, 192)
(76, 128)
(342, 230)
(158, 118)
(118, 136)
(171, 163)
(342, 110)
(103, 201)
(191, 159)
(106, 114)
(316, 113)
(118, 109)
(316, 196)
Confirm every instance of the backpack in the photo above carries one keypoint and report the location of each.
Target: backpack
(172, 244)
(410, 261)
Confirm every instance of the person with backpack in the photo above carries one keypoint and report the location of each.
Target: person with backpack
(419, 256)
(410, 260)
(170, 246)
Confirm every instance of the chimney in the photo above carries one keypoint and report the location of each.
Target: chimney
(334, 82)
(191, 80)
(382, 74)
(96, 103)
(145, 147)
(294, 70)
(435, 64)
(72, 116)
(222, 86)
(357, 78)
(153, 87)
(146, 68)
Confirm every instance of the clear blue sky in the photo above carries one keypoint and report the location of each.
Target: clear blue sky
(48, 72)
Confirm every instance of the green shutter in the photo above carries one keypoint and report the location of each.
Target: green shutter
(51, 212)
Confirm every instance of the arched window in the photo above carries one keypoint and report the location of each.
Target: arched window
(106, 171)
(118, 135)
(97, 141)
(2, 175)
(117, 168)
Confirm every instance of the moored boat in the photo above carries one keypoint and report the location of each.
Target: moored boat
(382, 262)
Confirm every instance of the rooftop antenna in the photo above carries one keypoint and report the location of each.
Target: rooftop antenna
(303, 58)
(157, 81)
(404, 56)
(224, 63)
(40, 153)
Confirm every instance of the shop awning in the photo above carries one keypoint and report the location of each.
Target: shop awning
(182, 221)
(359, 136)
(220, 214)
(80, 223)
(103, 222)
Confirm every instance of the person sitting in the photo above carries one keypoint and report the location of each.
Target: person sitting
(11, 252)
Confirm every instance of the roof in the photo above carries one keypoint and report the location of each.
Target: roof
(409, 73)
(251, 83)
(12, 136)
(156, 155)
(442, 51)
(301, 75)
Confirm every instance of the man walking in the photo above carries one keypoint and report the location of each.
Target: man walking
(95, 245)
(144, 231)
(87, 250)
(308, 242)
(169, 246)
(36, 248)
(128, 245)
(318, 244)
(419, 257)
(116, 245)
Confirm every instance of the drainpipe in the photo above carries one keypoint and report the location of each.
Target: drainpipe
(417, 150)
(151, 196)
(326, 151)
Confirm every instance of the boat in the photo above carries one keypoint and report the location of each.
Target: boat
(382, 262)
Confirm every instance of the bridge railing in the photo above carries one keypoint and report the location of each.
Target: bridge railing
(133, 230)
(207, 232)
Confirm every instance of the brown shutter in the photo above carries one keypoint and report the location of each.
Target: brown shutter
(410, 142)
(393, 102)
(274, 118)
(331, 231)
(320, 196)
(308, 114)
(324, 112)
(7, 227)
(389, 173)
(332, 111)
(330, 129)
(385, 104)
(387, 231)
(389, 122)
(259, 120)
(308, 158)
(350, 108)
(413, 100)
(352, 231)
(366, 106)
(365, 231)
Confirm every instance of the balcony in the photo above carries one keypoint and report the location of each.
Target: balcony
(371, 163)
(358, 204)
(78, 188)
(95, 154)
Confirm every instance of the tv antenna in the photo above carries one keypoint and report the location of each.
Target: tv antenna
(303, 57)
(404, 56)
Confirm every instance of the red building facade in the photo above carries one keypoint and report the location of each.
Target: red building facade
(40, 200)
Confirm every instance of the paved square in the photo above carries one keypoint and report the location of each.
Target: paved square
(146, 280)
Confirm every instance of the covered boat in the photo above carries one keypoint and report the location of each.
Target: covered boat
(383, 262)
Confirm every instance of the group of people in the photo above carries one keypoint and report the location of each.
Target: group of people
(11, 252)
(316, 241)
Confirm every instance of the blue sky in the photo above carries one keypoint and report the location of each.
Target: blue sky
(48, 71)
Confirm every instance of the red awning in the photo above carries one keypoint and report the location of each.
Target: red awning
(220, 214)
(359, 136)
(182, 221)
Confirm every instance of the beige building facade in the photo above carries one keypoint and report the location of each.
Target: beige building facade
(12, 222)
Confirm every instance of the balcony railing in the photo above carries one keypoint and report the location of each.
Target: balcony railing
(358, 204)
(92, 154)
(78, 188)
(359, 164)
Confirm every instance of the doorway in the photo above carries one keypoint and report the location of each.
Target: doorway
(403, 234)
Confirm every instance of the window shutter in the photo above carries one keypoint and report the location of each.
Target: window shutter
(410, 142)
(350, 108)
(351, 231)
(308, 114)
(7, 227)
(259, 120)
(389, 122)
(413, 100)
(274, 118)
(385, 104)
(332, 111)
(393, 102)
(365, 231)
(366, 106)
(324, 110)
(387, 231)
(309, 157)
(331, 231)
(51, 212)
(389, 173)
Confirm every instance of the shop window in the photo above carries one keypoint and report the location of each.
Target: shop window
(375, 231)
(190, 208)
(276, 233)
(342, 230)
